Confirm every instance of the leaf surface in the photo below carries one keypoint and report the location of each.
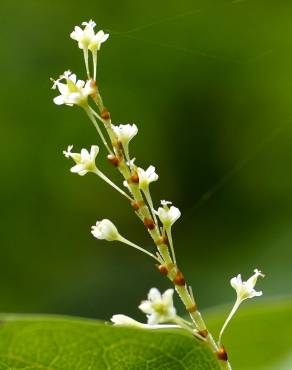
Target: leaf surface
(63, 343)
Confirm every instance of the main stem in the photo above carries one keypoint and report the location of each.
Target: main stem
(144, 212)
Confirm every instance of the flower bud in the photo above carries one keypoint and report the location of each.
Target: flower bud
(105, 229)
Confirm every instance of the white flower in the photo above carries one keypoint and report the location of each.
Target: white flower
(73, 92)
(85, 161)
(159, 308)
(245, 289)
(125, 133)
(88, 40)
(105, 229)
(146, 177)
(84, 36)
(97, 40)
(167, 215)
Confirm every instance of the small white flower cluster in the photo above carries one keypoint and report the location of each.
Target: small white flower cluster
(76, 92)
(159, 308)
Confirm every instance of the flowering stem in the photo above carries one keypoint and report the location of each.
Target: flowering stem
(106, 179)
(85, 54)
(169, 236)
(232, 312)
(150, 202)
(179, 321)
(93, 120)
(126, 241)
(94, 58)
(104, 122)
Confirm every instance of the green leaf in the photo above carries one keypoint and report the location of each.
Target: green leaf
(63, 343)
(259, 337)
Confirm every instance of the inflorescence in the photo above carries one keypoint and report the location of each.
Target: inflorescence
(158, 307)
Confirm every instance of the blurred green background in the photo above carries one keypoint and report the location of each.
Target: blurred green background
(209, 84)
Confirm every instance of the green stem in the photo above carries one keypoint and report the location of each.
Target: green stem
(126, 241)
(112, 184)
(93, 120)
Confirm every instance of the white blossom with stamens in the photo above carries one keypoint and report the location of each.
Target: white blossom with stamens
(168, 215)
(85, 160)
(159, 307)
(88, 40)
(85, 36)
(73, 91)
(97, 40)
(146, 177)
(244, 290)
(105, 229)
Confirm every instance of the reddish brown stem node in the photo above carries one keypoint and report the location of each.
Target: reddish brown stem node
(192, 308)
(203, 333)
(222, 354)
(134, 178)
(105, 114)
(148, 222)
(162, 240)
(179, 279)
(113, 160)
(163, 269)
